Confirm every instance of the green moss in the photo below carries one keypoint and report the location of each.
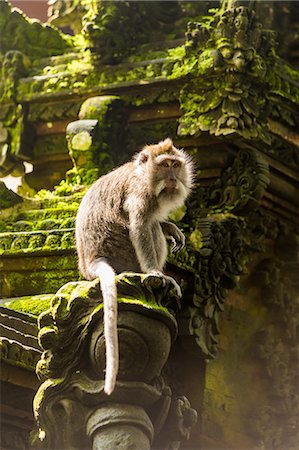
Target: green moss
(85, 71)
(196, 240)
(36, 281)
(30, 305)
(144, 303)
(30, 36)
(179, 214)
(82, 141)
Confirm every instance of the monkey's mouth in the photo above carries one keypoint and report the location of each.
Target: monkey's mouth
(171, 185)
(171, 191)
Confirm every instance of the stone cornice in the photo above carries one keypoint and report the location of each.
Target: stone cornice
(19, 345)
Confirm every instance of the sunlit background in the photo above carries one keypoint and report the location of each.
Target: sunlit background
(36, 9)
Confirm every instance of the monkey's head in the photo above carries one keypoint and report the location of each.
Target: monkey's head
(169, 171)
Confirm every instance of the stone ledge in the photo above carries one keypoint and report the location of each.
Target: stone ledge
(18, 341)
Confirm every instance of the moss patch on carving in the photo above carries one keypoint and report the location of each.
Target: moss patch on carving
(30, 305)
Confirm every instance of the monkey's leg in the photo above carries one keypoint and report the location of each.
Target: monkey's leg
(143, 242)
(160, 245)
(161, 252)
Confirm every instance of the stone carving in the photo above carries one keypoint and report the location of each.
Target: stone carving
(17, 354)
(8, 198)
(229, 56)
(21, 41)
(94, 141)
(15, 139)
(219, 266)
(221, 243)
(67, 13)
(240, 187)
(18, 341)
(43, 112)
(14, 65)
(181, 419)
(36, 241)
(29, 37)
(71, 334)
(103, 18)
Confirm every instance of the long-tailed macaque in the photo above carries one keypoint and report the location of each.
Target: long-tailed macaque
(122, 227)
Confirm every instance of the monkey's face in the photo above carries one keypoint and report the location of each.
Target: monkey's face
(167, 170)
(168, 174)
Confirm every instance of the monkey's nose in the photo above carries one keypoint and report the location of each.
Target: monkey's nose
(171, 183)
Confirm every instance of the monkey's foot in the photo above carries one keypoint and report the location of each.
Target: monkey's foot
(166, 278)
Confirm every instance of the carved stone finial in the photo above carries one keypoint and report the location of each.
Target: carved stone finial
(73, 363)
(229, 57)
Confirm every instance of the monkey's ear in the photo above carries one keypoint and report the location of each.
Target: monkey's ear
(142, 157)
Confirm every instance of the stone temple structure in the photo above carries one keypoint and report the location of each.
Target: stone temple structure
(217, 369)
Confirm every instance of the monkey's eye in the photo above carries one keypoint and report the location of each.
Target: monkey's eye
(164, 164)
(176, 164)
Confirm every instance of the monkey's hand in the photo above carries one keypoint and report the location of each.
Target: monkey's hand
(166, 278)
(178, 242)
(172, 232)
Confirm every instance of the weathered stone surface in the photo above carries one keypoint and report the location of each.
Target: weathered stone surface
(120, 426)
(72, 367)
(236, 101)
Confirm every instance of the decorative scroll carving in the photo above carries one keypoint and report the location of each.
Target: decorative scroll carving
(178, 426)
(22, 242)
(79, 301)
(219, 267)
(240, 187)
(17, 354)
(222, 242)
(72, 367)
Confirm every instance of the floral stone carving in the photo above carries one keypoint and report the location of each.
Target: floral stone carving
(240, 188)
(72, 367)
(229, 59)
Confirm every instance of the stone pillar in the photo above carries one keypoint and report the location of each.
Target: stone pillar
(71, 407)
(120, 426)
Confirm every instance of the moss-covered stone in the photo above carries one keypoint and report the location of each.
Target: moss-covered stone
(29, 36)
(33, 305)
(232, 73)
(8, 198)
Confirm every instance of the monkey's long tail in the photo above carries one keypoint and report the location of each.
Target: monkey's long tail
(108, 286)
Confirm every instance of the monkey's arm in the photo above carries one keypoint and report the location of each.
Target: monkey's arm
(142, 240)
(141, 235)
(171, 231)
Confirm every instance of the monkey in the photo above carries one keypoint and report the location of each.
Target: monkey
(122, 226)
